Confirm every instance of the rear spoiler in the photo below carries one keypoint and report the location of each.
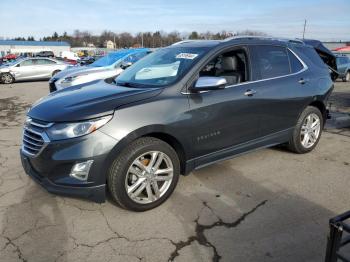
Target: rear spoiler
(326, 55)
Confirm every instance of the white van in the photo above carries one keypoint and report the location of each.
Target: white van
(69, 55)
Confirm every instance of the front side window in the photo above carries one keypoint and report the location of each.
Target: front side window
(28, 62)
(161, 68)
(269, 61)
(231, 65)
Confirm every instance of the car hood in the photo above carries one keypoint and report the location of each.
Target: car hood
(79, 70)
(87, 101)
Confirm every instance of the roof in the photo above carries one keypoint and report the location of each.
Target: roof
(33, 43)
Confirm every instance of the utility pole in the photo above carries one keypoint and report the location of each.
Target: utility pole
(142, 39)
(115, 45)
(304, 29)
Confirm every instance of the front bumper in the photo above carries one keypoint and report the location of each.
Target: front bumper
(52, 167)
(94, 193)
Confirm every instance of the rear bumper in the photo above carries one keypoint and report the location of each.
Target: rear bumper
(95, 193)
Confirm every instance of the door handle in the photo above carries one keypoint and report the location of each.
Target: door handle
(249, 92)
(303, 81)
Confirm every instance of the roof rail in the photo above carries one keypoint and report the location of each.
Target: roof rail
(299, 41)
(183, 41)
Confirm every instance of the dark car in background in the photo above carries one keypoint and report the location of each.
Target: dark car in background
(178, 109)
(45, 54)
(343, 66)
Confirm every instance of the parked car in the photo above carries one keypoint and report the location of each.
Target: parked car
(108, 66)
(9, 57)
(178, 109)
(86, 60)
(68, 55)
(343, 65)
(30, 69)
(45, 54)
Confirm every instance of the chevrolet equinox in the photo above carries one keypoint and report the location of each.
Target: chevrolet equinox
(178, 109)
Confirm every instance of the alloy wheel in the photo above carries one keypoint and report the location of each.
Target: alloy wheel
(310, 130)
(149, 177)
(6, 78)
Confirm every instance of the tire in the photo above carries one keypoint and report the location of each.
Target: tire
(7, 78)
(346, 78)
(120, 179)
(302, 141)
(55, 72)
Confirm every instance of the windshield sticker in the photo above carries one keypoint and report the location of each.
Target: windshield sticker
(187, 56)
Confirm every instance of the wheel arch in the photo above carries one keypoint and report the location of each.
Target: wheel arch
(153, 131)
(322, 107)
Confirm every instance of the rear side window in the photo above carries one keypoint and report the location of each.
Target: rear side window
(312, 55)
(270, 61)
(295, 64)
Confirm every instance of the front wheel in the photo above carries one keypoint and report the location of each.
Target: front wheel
(346, 78)
(307, 131)
(7, 78)
(144, 174)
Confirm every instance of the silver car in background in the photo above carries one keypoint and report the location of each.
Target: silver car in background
(30, 69)
(106, 67)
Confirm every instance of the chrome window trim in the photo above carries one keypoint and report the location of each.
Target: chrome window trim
(305, 67)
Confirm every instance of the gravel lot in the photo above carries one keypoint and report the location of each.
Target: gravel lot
(270, 205)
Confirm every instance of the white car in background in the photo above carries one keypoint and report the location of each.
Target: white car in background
(108, 66)
(29, 69)
(69, 55)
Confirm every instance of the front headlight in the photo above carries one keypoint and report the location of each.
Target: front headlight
(70, 130)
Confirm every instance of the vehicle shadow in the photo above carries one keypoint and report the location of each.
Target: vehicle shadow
(248, 220)
(34, 228)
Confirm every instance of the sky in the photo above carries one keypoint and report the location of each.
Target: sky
(326, 20)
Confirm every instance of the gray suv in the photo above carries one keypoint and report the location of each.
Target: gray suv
(343, 66)
(30, 69)
(176, 110)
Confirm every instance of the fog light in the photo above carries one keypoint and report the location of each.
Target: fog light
(81, 170)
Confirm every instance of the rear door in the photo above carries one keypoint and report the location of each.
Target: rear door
(44, 68)
(280, 83)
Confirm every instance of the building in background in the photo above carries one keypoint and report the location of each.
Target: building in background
(31, 47)
(109, 44)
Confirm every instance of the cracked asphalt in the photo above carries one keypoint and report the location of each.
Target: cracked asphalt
(269, 205)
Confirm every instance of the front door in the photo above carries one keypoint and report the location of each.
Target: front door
(227, 117)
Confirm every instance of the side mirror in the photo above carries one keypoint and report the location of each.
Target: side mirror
(207, 83)
(125, 64)
(18, 65)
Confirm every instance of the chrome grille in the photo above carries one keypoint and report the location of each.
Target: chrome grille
(34, 137)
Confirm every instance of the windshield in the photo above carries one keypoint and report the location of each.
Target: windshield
(10, 63)
(161, 68)
(109, 59)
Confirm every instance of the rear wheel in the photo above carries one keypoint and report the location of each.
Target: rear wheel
(144, 175)
(307, 131)
(7, 78)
